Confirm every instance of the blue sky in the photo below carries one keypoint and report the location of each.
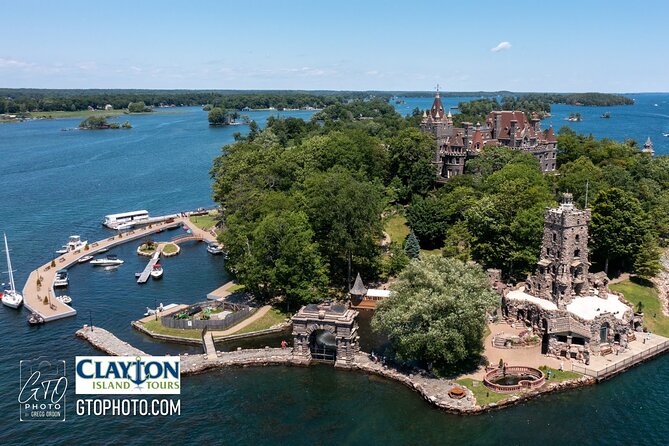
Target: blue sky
(591, 45)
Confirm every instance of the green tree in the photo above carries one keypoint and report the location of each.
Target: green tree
(617, 227)
(138, 107)
(428, 218)
(217, 116)
(437, 312)
(411, 246)
(397, 259)
(345, 213)
(411, 156)
(277, 258)
(647, 260)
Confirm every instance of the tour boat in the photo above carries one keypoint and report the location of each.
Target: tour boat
(64, 299)
(61, 279)
(214, 248)
(157, 271)
(10, 297)
(110, 260)
(35, 319)
(85, 259)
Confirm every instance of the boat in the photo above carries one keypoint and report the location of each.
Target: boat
(64, 299)
(61, 279)
(185, 228)
(85, 259)
(110, 260)
(125, 226)
(10, 297)
(103, 250)
(606, 115)
(214, 248)
(157, 271)
(63, 250)
(35, 319)
(75, 242)
(665, 134)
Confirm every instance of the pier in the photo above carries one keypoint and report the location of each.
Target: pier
(144, 276)
(38, 291)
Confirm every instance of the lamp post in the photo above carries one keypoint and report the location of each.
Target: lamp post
(155, 307)
(90, 318)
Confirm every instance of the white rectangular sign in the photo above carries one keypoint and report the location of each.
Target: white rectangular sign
(128, 375)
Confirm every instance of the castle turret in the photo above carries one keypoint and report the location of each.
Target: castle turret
(648, 147)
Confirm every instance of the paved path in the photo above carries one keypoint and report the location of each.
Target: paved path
(107, 342)
(246, 322)
(221, 292)
(209, 347)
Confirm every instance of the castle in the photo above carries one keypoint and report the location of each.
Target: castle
(506, 128)
(571, 308)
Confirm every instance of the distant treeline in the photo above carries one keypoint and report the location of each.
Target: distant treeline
(46, 100)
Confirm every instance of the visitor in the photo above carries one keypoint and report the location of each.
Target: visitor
(561, 366)
(283, 344)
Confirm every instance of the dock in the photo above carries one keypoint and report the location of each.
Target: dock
(144, 276)
(38, 292)
(209, 347)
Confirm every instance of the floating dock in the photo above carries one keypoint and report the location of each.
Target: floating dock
(39, 286)
(144, 276)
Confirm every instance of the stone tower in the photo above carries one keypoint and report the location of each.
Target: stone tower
(562, 270)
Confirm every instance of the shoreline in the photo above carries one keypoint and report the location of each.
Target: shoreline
(432, 390)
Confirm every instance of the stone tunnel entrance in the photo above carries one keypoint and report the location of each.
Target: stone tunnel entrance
(326, 332)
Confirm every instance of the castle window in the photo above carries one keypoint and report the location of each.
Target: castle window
(548, 251)
(578, 237)
(577, 253)
(554, 237)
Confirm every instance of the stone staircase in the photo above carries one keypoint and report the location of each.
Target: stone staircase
(567, 324)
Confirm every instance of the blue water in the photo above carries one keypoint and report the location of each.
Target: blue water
(59, 183)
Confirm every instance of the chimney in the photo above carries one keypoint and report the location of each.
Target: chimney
(512, 132)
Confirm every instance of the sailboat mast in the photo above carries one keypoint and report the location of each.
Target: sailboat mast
(9, 265)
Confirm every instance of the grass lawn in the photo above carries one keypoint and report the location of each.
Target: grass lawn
(157, 328)
(204, 222)
(272, 317)
(236, 288)
(430, 252)
(652, 308)
(482, 394)
(396, 227)
(557, 375)
(170, 248)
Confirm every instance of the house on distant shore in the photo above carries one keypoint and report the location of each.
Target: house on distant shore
(456, 145)
(109, 107)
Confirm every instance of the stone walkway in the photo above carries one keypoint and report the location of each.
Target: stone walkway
(107, 342)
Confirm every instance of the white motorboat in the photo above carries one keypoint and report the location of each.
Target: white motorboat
(63, 250)
(214, 248)
(157, 271)
(64, 299)
(124, 226)
(110, 260)
(75, 242)
(35, 319)
(85, 259)
(61, 279)
(10, 297)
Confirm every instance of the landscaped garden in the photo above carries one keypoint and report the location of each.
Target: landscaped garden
(645, 294)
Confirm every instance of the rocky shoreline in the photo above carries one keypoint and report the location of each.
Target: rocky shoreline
(432, 389)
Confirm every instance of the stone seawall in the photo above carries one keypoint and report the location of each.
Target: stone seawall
(433, 390)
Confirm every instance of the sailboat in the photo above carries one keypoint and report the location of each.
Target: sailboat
(11, 297)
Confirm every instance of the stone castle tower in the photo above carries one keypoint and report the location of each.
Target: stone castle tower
(648, 147)
(562, 270)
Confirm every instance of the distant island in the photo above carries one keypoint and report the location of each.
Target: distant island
(101, 123)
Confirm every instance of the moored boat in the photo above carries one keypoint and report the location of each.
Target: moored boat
(10, 297)
(64, 299)
(61, 279)
(214, 248)
(85, 259)
(35, 319)
(157, 271)
(110, 260)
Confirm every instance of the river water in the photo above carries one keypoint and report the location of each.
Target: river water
(56, 183)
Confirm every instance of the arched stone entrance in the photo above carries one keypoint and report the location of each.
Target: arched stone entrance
(326, 332)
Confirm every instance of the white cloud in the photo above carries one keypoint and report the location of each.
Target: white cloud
(501, 46)
(13, 63)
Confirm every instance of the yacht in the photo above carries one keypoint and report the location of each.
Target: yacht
(63, 250)
(10, 297)
(85, 259)
(214, 248)
(61, 278)
(110, 260)
(75, 242)
(157, 271)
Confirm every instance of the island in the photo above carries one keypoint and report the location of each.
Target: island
(101, 123)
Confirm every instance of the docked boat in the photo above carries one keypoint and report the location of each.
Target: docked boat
(124, 226)
(85, 259)
(10, 297)
(62, 250)
(606, 115)
(214, 248)
(103, 250)
(64, 299)
(75, 242)
(157, 271)
(61, 279)
(35, 319)
(110, 260)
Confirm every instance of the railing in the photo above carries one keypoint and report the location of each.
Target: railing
(211, 324)
(613, 368)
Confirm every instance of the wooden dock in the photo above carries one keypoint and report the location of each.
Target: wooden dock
(144, 276)
(38, 292)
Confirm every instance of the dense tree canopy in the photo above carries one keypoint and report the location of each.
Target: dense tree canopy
(437, 312)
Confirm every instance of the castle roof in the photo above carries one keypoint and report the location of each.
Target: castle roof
(550, 135)
(437, 110)
(358, 287)
(503, 130)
